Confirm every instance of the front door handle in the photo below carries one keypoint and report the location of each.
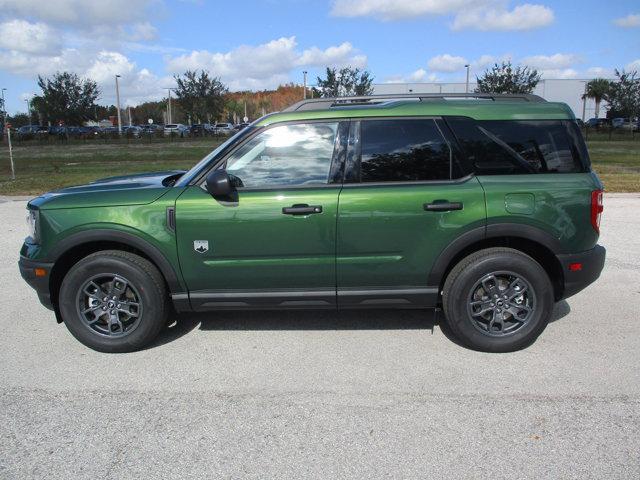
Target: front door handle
(302, 209)
(442, 206)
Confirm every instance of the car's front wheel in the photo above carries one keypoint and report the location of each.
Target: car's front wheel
(114, 301)
(497, 300)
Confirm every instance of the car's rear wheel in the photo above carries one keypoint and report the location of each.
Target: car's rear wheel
(114, 301)
(497, 300)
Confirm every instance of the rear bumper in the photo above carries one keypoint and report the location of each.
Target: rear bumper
(581, 269)
(39, 284)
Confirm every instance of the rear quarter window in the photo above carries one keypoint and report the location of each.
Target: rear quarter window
(504, 147)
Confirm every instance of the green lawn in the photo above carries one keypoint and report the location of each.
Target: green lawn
(40, 168)
(617, 163)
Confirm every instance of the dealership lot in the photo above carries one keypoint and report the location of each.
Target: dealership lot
(325, 395)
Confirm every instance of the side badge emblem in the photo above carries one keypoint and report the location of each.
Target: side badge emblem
(201, 246)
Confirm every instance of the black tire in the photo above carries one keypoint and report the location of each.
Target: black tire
(139, 326)
(464, 299)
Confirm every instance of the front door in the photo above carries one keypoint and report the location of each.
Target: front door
(274, 244)
(405, 199)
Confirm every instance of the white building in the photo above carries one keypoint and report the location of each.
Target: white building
(569, 91)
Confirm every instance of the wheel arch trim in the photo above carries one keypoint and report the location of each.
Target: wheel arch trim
(86, 237)
(488, 232)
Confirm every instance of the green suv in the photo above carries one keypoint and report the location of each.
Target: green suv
(484, 206)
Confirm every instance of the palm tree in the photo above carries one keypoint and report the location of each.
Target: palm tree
(598, 89)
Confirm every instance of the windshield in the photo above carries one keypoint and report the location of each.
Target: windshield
(186, 178)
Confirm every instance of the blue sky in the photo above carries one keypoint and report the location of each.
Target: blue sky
(260, 44)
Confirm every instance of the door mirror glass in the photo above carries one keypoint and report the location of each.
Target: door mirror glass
(218, 184)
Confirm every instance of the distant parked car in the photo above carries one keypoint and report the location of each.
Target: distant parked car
(223, 129)
(57, 130)
(30, 131)
(623, 124)
(132, 131)
(240, 126)
(152, 129)
(201, 129)
(176, 129)
(597, 122)
(109, 131)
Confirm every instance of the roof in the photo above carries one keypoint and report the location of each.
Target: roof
(479, 107)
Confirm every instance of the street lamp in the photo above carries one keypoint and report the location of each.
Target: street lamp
(304, 95)
(169, 113)
(466, 87)
(26, 99)
(118, 105)
(4, 108)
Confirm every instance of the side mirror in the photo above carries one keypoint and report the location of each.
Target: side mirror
(218, 184)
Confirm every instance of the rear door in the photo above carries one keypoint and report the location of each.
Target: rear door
(405, 198)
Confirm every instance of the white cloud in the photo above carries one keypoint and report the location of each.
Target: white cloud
(136, 85)
(22, 36)
(82, 12)
(599, 72)
(143, 31)
(22, 63)
(266, 65)
(522, 17)
(446, 63)
(635, 65)
(418, 76)
(484, 61)
(475, 14)
(333, 56)
(547, 62)
(558, 73)
(398, 9)
(630, 21)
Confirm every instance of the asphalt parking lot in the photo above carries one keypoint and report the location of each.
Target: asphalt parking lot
(327, 395)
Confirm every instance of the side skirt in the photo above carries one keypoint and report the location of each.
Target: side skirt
(348, 298)
(426, 297)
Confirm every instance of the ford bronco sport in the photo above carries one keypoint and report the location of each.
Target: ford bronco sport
(484, 206)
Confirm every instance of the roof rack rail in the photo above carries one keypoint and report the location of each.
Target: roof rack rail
(329, 102)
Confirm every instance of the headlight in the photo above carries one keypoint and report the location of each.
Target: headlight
(32, 222)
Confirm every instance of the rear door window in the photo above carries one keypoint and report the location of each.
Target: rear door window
(404, 151)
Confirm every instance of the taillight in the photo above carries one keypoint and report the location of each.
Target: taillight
(596, 209)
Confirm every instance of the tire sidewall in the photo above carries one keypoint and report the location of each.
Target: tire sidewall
(151, 300)
(461, 289)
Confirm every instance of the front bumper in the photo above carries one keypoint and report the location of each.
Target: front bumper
(39, 283)
(581, 269)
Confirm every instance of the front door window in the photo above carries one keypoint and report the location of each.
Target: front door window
(285, 156)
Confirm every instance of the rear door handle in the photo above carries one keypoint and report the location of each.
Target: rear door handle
(302, 209)
(442, 206)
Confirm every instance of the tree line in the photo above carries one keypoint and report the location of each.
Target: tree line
(200, 97)
(68, 99)
(622, 93)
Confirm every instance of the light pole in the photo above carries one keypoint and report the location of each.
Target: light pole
(304, 95)
(4, 108)
(466, 87)
(584, 101)
(169, 113)
(26, 99)
(118, 105)
(4, 127)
